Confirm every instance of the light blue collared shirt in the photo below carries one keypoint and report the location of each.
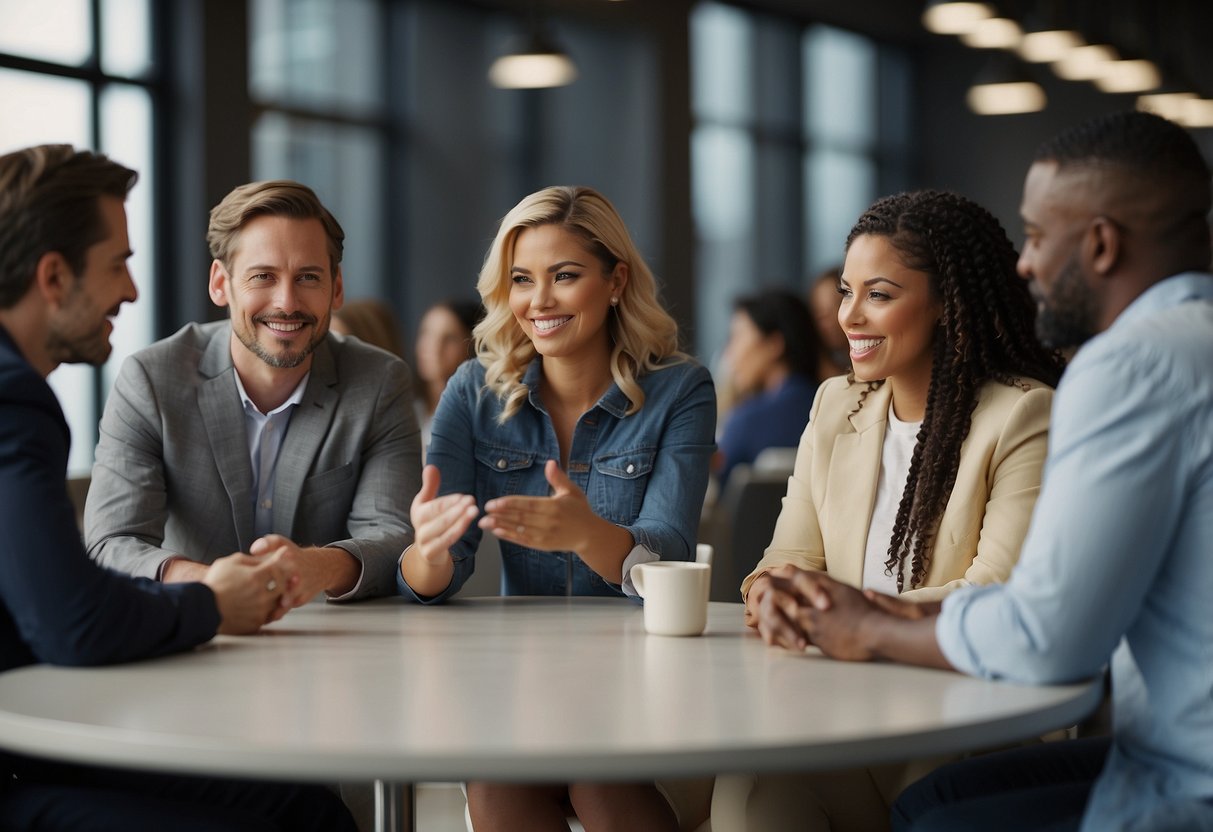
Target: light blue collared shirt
(1119, 559)
(265, 432)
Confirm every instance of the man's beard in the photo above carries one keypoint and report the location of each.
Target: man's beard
(1066, 317)
(282, 360)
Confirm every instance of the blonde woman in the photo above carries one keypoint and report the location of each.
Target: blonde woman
(584, 436)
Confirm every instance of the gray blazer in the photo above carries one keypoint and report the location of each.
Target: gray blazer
(173, 476)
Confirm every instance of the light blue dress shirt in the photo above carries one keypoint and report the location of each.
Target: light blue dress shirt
(646, 472)
(265, 432)
(1119, 559)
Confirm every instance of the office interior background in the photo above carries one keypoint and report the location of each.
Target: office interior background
(740, 140)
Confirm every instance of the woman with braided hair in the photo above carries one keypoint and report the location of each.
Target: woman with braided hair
(919, 470)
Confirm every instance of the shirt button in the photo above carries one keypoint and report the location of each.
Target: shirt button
(269, 425)
(631, 469)
(501, 464)
(267, 503)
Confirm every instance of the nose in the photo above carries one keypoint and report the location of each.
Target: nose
(1024, 265)
(541, 298)
(284, 295)
(132, 292)
(850, 313)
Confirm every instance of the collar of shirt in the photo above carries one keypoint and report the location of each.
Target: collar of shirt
(613, 401)
(295, 398)
(1164, 294)
(265, 433)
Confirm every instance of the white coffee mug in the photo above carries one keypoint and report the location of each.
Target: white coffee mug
(675, 596)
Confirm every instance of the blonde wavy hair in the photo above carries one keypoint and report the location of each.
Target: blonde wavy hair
(643, 336)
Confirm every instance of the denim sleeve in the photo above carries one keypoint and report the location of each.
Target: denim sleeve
(1110, 502)
(451, 451)
(668, 522)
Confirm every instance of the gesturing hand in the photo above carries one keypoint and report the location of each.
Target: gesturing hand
(438, 521)
(562, 522)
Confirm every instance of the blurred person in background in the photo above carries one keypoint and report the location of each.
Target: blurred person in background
(772, 359)
(444, 341)
(372, 321)
(824, 299)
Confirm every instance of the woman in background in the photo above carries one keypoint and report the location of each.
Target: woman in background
(823, 304)
(918, 471)
(772, 355)
(583, 434)
(372, 321)
(444, 341)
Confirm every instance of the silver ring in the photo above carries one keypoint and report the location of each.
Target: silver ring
(271, 585)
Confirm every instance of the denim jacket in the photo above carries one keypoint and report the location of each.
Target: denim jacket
(646, 472)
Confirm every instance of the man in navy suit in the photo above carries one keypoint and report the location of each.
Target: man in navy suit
(63, 276)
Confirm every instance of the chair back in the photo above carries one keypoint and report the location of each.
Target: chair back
(741, 525)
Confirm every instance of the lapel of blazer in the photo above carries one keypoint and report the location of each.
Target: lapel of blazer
(223, 415)
(308, 428)
(854, 472)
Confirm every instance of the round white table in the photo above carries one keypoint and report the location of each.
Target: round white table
(508, 689)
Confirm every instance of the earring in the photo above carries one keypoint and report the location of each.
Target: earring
(614, 301)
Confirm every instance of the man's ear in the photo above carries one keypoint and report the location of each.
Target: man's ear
(217, 286)
(53, 278)
(338, 291)
(1104, 239)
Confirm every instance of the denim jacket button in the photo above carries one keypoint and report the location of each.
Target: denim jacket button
(631, 469)
(501, 463)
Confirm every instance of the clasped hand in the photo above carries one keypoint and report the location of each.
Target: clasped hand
(798, 607)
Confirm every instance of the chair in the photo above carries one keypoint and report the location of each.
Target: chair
(486, 580)
(741, 524)
(776, 459)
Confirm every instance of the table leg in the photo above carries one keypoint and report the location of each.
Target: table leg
(393, 806)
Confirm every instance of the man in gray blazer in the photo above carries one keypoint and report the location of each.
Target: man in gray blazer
(262, 432)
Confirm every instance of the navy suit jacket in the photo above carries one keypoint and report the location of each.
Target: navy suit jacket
(56, 605)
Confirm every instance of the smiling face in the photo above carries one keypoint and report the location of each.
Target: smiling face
(1054, 220)
(79, 329)
(561, 293)
(889, 313)
(280, 290)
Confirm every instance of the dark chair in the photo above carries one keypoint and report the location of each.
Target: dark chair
(740, 525)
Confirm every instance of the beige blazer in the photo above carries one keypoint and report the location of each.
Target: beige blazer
(828, 507)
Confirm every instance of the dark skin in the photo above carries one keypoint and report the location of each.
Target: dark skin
(799, 607)
(1125, 234)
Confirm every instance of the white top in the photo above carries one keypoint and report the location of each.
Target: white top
(899, 440)
(524, 689)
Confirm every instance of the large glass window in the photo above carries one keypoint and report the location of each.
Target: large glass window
(316, 68)
(792, 139)
(90, 88)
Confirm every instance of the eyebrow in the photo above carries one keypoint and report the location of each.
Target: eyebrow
(553, 268)
(266, 267)
(873, 281)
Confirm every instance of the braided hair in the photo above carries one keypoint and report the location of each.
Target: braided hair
(986, 332)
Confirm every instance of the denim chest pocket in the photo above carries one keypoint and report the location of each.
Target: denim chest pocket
(619, 484)
(501, 470)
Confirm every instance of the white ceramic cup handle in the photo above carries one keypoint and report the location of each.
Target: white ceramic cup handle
(638, 578)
